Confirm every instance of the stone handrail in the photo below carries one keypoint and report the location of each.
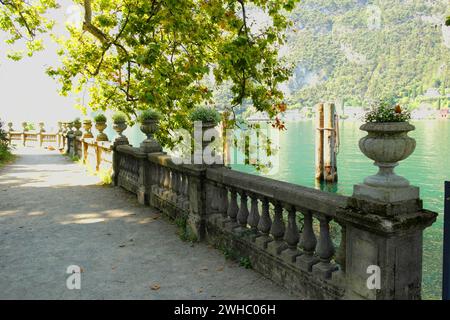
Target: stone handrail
(33, 137)
(302, 197)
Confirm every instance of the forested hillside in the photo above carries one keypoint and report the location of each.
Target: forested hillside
(359, 50)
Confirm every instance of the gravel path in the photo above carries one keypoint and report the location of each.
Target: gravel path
(53, 215)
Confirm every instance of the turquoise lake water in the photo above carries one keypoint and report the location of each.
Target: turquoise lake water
(427, 168)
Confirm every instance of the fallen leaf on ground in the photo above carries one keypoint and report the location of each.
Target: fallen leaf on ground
(205, 268)
(220, 269)
(155, 287)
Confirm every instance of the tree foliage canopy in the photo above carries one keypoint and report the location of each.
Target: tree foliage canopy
(135, 54)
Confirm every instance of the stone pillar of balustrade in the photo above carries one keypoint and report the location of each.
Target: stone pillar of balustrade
(41, 133)
(70, 139)
(384, 222)
(198, 200)
(205, 198)
(120, 140)
(59, 135)
(24, 130)
(10, 130)
(148, 146)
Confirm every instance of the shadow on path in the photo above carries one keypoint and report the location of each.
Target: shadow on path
(53, 215)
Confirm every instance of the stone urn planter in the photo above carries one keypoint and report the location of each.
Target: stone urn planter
(24, 126)
(10, 126)
(120, 127)
(69, 128)
(387, 144)
(77, 125)
(205, 127)
(101, 126)
(149, 128)
(208, 118)
(202, 157)
(87, 126)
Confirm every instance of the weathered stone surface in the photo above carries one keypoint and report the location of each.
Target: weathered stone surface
(303, 284)
(376, 229)
(385, 195)
(302, 197)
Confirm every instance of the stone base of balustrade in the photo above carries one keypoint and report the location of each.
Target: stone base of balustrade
(386, 195)
(306, 262)
(127, 183)
(142, 195)
(324, 270)
(276, 247)
(230, 225)
(262, 241)
(290, 255)
(279, 268)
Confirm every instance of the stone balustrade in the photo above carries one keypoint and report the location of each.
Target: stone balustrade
(39, 137)
(317, 245)
(69, 140)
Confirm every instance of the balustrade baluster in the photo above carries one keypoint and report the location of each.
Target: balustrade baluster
(166, 178)
(340, 255)
(277, 231)
(325, 249)
(155, 174)
(243, 211)
(175, 182)
(233, 207)
(308, 244)
(224, 202)
(186, 186)
(170, 186)
(154, 178)
(291, 236)
(161, 178)
(173, 186)
(186, 204)
(264, 225)
(214, 194)
(253, 218)
(182, 196)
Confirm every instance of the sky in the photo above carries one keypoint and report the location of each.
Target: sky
(27, 93)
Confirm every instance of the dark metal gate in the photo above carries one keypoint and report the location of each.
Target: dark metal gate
(446, 258)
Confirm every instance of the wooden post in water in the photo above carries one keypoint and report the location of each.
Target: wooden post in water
(326, 141)
(319, 142)
(329, 150)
